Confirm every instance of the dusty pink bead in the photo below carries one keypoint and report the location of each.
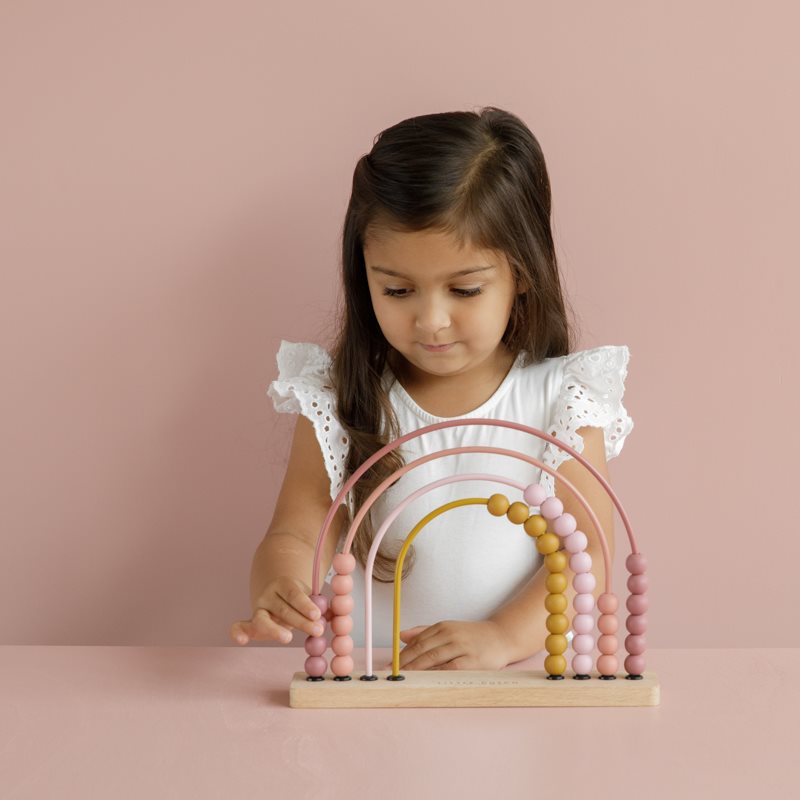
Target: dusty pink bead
(607, 623)
(342, 604)
(535, 494)
(320, 601)
(607, 664)
(637, 584)
(607, 644)
(341, 666)
(576, 542)
(584, 583)
(637, 603)
(582, 664)
(636, 564)
(564, 525)
(583, 643)
(342, 584)
(315, 666)
(580, 562)
(341, 626)
(636, 624)
(316, 645)
(607, 603)
(344, 563)
(634, 665)
(583, 603)
(551, 508)
(635, 645)
(583, 623)
(342, 645)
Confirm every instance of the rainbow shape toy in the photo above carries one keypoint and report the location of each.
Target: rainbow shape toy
(555, 536)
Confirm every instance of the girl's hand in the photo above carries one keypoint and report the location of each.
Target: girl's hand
(455, 645)
(284, 604)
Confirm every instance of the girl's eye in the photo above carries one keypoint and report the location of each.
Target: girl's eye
(395, 292)
(468, 292)
(460, 292)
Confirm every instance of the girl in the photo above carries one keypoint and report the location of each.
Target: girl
(452, 309)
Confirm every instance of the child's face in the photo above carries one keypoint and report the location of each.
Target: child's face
(420, 301)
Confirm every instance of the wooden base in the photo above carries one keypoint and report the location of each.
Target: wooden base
(473, 689)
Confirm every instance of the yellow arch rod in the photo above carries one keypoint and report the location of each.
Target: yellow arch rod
(398, 570)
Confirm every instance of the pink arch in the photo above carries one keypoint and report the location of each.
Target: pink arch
(352, 480)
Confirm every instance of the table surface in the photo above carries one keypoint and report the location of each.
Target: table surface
(214, 722)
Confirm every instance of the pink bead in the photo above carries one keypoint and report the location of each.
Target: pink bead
(635, 645)
(583, 643)
(341, 626)
(580, 562)
(564, 525)
(583, 603)
(607, 664)
(636, 564)
(582, 664)
(576, 542)
(584, 583)
(535, 494)
(342, 584)
(316, 645)
(583, 623)
(637, 624)
(607, 603)
(342, 645)
(342, 604)
(320, 601)
(344, 563)
(315, 666)
(341, 666)
(551, 508)
(634, 665)
(637, 603)
(607, 644)
(637, 584)
(607, 623)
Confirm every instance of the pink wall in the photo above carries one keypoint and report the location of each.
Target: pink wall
(173, 181)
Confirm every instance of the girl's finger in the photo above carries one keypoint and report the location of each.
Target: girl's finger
(264, 627)
(290, 615)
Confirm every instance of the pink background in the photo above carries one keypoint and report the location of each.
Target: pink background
(173, 180)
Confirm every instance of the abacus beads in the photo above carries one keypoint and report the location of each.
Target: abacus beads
(316, 664)
(341, 621)
(636, 622)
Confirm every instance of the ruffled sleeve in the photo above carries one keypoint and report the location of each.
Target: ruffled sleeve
(591, 394)
(303, 387)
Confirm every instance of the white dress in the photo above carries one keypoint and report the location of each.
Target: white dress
(468, 563)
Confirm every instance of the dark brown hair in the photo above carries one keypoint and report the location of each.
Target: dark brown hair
(480, 178)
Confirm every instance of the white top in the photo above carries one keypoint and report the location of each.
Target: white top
(468, 563)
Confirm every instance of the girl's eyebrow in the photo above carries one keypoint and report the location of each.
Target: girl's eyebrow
(468, 271)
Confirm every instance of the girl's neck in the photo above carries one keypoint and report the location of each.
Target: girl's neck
(452, 395)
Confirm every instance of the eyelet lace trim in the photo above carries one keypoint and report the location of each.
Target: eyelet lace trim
(303, 387)
(591, 394)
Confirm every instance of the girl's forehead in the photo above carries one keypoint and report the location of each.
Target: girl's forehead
(425, 252)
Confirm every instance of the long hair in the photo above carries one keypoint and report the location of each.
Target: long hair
(481, 179)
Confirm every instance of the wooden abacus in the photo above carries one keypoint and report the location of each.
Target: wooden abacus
(555, 536)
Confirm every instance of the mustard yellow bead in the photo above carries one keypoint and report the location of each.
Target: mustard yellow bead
(518, 513)
(498, 505)
(555, 644)
(557, 623)
(556, 583)
(547, 543)
(535, 525)
(556, 562)
(555, 603)
(555, 665)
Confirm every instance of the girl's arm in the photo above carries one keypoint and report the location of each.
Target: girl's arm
(517, 630)
(280, 577)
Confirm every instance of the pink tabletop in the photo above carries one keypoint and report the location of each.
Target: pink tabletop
(153, 722)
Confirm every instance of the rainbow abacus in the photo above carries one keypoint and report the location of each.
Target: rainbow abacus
(551, 529)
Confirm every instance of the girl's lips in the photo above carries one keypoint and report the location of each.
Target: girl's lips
(437, 348)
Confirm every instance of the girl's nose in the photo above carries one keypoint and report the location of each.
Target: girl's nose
(432, 316)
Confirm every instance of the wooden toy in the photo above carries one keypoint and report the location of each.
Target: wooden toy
(554, 534)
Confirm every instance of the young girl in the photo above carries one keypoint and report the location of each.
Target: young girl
(452, 309)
